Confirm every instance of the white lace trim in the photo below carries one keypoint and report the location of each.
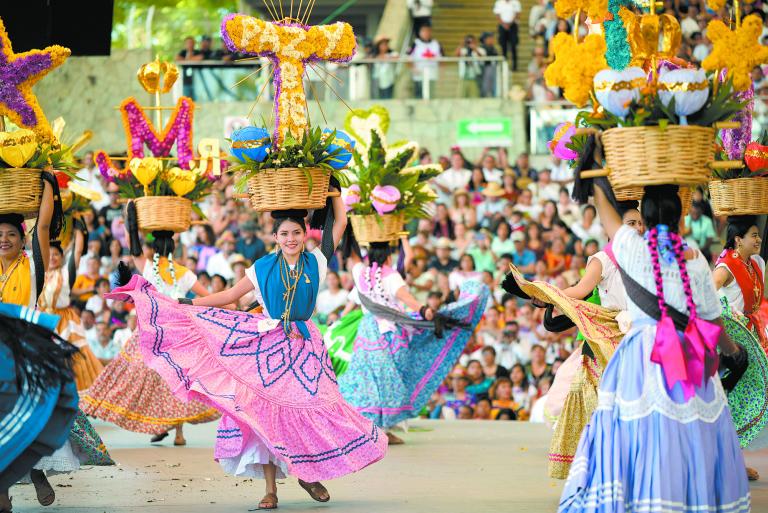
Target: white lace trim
(613, 493)
(654, 397)
(63, 461)
(249, 462)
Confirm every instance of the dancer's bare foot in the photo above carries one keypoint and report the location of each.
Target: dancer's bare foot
(5, 503)
(752, 474)
(316, 490)
(179, 440)
(269, 501)
(45, 493)
(394, 439)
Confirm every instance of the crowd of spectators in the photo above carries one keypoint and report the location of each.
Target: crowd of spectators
(490, 213)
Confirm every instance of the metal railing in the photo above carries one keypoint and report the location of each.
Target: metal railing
(362, 79)
(543, 118)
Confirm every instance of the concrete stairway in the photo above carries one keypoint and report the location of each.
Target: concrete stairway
(452, 20)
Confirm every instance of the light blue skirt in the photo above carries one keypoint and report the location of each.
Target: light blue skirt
(649, 451)
(392, 375)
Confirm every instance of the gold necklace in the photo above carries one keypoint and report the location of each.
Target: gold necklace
(753, 277)
(290, 289)
(4, 277)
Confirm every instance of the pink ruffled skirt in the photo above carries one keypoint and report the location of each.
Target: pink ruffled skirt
(274, 390)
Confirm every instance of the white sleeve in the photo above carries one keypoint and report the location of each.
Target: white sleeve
(393, 283)
(188, 281)
(322, 263)
(704, 294)
(250, 273)
(625, 242)
(602, 257)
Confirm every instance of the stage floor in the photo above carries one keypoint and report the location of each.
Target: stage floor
(446, 467)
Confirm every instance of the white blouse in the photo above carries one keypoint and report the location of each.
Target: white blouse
(611, 287)
(732, 291)
(633, 256)
(185, 282)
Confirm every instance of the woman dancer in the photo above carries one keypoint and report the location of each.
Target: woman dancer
(573, 396)
(661, 436)
(739, 278)
(268, 373)
(38, 399)
(55, 300)
(21, 278)
(395, 368)
(127, 392)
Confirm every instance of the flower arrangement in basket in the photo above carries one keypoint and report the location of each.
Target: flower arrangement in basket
(742, 191)
(164, 187)
(386, 188)
(289, 167)
(657, 114)
(28, 143)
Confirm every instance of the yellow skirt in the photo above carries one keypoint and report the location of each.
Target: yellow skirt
(580, 403)
(84, 364)
(86, 367)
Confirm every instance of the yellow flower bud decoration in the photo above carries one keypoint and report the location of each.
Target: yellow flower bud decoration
(182, 182)
(16, 148)
(145, 170)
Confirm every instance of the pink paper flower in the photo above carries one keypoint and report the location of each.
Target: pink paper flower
(563, 134)
(351, 196)
(385, 198)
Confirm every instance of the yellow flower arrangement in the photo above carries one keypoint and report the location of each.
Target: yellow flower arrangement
(181, 181)
(575, 65)
(595, 9)
(715, 5)
(738, 50)
(291, 45)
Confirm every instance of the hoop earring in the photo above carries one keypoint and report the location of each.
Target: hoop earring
(302, 246)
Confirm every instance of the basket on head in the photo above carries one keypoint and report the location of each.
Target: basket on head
(374, 228)
(650, 155)
(21, 191)
(739, 196)
(637, 193)
(169, 213)
(289, 188)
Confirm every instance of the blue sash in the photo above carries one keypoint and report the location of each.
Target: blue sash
(273, 290)
(49, 321)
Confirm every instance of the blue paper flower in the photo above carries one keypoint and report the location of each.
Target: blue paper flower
(344, 144)
(251, 142)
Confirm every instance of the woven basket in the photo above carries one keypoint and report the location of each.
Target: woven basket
(166, 213)
(637, 193)
(288, 188)
(686, 200)
(21, 191)
(648, 155)
(739, 196)
(373, 228)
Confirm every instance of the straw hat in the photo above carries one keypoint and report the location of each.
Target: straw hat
(493, 190)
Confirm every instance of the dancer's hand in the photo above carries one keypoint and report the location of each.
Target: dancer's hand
(427, 313)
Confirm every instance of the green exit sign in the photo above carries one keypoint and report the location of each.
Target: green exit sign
(481, 132)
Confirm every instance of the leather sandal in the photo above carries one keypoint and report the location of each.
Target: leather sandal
(394, 439)
(158, 438)
(752, 474)
(44, 490)
(315, 490)
(269, 501)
